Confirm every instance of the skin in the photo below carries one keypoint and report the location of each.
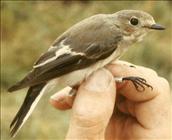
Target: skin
(102, 109)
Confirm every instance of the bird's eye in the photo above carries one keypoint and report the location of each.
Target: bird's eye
(134, 21)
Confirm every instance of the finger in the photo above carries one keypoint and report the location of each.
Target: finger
(127, 89)
(95, 99)
(125, 63)
(93, 105)
(151, 107)
(156, 112)
(62, 100)
(126, 107)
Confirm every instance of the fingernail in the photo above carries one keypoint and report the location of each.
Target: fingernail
(99, 81)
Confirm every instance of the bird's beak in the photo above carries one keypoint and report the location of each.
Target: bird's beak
(157, 27)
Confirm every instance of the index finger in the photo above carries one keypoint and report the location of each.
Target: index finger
(124, 69)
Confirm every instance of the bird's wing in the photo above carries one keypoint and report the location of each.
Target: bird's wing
(72, 51)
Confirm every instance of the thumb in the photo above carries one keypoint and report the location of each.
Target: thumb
(95, 99)
(93, 107)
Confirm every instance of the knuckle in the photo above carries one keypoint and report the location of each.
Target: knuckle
(147, 70)
(152, 71)
(164, 82)
(87, 121)
(165, 86)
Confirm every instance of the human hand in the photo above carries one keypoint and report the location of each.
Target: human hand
(142, 114)
(92, 107)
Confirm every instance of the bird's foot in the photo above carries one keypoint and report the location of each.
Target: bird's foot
(138, 82)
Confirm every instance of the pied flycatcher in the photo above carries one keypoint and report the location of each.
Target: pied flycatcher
(82, 49)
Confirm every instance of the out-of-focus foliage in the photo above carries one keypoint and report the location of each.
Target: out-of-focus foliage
(29, 28)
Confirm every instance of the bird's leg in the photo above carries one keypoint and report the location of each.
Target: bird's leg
(73, 90)
(70, 90)
(138, 82)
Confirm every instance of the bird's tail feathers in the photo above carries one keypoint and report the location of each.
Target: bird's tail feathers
(33, 96)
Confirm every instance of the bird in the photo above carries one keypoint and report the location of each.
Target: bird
(84, 48)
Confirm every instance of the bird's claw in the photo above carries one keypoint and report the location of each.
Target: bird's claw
(138, 82)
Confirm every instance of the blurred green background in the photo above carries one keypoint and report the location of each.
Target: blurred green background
(29, 28)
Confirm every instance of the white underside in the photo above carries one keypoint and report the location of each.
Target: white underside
(78, 76)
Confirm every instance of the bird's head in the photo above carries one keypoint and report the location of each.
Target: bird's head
(136, 24)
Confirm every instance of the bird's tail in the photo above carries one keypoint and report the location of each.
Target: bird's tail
(33, 95)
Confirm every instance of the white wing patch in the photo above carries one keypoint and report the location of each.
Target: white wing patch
(64, 49)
